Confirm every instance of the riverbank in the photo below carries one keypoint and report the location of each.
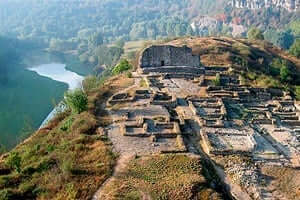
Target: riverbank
(30, 94)
(26, 99)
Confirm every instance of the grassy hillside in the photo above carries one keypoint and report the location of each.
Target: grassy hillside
(257, 61)
(67, 159)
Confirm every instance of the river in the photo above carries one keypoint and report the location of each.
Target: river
(58, 72)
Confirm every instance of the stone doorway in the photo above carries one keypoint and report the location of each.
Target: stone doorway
(162, 63)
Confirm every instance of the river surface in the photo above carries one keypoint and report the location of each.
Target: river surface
(58, 72)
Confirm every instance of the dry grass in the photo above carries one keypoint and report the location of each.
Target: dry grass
(286, 180)
(244, 56)
(98, 98)
(162, 177)
(221, 51)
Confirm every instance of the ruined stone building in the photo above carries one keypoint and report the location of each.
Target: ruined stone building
(158, 56)
(169, 59)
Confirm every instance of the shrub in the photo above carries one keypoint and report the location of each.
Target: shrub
(76, 100)
(123, 66)
(14, 161)
(217, 81)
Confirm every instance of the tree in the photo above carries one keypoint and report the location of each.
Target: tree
(123, 66)
(76, 100)
(295, 48)
(255, 34)
(283, 39)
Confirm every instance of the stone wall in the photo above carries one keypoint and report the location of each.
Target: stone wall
(167, 55)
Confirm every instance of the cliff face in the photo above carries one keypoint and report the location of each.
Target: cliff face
(291, 5)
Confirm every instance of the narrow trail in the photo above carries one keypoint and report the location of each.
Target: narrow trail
(119, 168)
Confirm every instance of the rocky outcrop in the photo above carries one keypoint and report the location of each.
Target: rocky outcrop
(291, 5)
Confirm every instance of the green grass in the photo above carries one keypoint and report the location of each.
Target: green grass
(26, 100)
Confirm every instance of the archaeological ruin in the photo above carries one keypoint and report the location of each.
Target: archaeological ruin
(181, 106)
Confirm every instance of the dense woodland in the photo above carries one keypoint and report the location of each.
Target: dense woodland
(68, 24)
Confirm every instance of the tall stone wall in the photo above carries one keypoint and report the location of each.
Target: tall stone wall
(158, 56)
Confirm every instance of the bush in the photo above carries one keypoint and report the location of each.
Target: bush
(14, 161)
(217, 81)
(255, 34)
(123, 66)
(76, 100)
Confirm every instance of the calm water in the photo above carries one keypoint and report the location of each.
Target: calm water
(57, 72)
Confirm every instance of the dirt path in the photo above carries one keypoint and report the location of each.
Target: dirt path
(119, 168)
(122, 161)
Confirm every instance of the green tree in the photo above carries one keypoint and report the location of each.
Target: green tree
(255, 34)
(76, 100)
(14, 161)
(295, 48)
(123, 66)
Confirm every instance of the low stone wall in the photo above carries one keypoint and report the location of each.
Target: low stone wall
(291, 122)
(120, 98)
(263, 121)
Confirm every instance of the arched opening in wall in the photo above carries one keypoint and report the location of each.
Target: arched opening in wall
(162, 63)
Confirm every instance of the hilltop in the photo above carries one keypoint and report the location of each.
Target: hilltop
(194, 118)
(253, 59)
